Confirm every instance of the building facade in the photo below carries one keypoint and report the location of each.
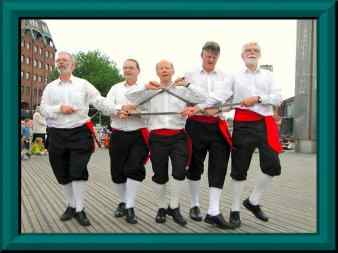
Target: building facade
(37, 61)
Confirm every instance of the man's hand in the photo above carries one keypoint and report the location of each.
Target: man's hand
(249, 101)
(180, 81)
(67, 109)
(152, 85)
(128, 108)
(122, 114)
(190, 111)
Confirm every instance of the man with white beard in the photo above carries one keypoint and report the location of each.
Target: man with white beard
(254, 127)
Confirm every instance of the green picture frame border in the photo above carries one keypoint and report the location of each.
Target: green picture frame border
(14, 10)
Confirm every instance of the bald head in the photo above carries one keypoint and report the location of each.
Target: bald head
(165, 71)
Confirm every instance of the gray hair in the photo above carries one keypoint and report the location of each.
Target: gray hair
(251, 43)
(72, 57)
(212, 46)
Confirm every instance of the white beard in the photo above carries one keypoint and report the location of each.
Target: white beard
(251, 61)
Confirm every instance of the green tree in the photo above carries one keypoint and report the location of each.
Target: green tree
(98, 69)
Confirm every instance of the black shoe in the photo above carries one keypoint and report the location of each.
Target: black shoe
(218, 221)
(120, 210)
(177, 216)
(81, 218)
(235, 219)
(130, 216)
(256, 210)
(161, 215)
(195, 213)
(68, 214)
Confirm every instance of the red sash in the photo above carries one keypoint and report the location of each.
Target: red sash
(145, 135)
(222, 125)
(90, 126)
(272, 133)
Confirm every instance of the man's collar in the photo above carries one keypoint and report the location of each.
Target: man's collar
(247, 70)
(202, 70)
(71, 80)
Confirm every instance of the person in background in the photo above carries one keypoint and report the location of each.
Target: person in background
(38, 148)
(39, 125)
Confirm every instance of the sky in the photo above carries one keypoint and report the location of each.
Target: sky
(180, 41)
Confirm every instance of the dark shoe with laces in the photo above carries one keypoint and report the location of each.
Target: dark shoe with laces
(177, 216)
(161, 215)
(256, 210)
(120, 210)
(218, 221)
(82, 219)
(130, 216)
(235, 219)
(68, 214)
(195, 213)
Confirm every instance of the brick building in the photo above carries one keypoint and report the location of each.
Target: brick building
(37, 61)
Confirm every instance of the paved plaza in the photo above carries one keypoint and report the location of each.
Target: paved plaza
(290, 203)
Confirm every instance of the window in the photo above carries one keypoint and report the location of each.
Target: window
(22, 58)
(40, 51)
(34, 63)
(22, 43)
(34, 77)
(28, 45)
(47, 67)
(21, 74)
(39, 79)
(27, 75)
(46, 54)
(35, 49)
(27, 60)
(50, 68)
(40, 65)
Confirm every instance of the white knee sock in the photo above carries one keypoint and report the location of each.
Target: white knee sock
(131, 191)
(79, 190)
(263, 182)
(161, 193)
(175, 192)
(69, 196)
(214, 197)
(121, 191)
(237, 187)
(194, 186)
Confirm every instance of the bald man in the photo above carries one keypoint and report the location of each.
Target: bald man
(168, 138)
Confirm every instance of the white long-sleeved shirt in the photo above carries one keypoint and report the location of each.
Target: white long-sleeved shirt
(117, 97)
(39, 123)
(216, 86)
(76, 92)
(258, 83)
(165, 102)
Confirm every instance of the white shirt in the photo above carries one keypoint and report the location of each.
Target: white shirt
(117, 97)
(258, 83)
(76, 92)
(215, 85)
(39, 123)
(165, 102)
